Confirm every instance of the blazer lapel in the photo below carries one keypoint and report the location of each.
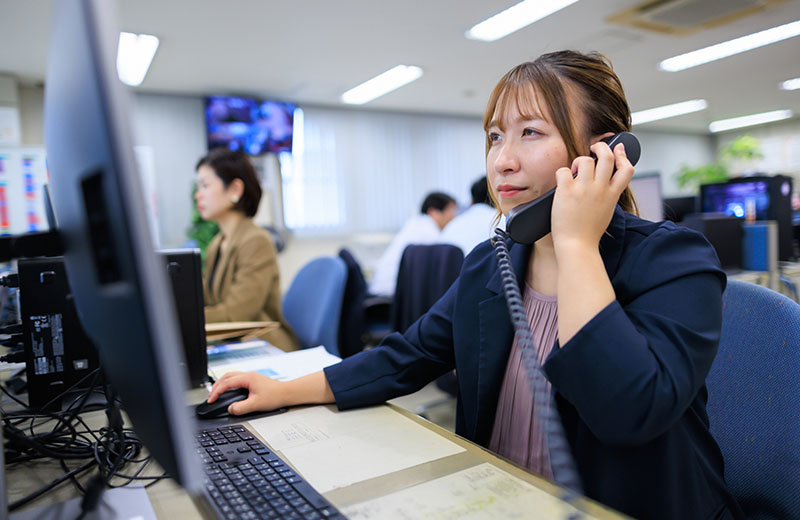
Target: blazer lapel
(223, 268)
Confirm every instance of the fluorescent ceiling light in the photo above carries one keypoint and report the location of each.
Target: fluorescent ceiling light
(675, 109)
(381, 84)
(134, 55)
(755, 119)
(731, 47)
(515, 18)
(791, 84)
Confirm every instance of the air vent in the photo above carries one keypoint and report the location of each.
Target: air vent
(687, 16)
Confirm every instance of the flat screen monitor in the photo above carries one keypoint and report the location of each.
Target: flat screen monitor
(249, 125)
(646, 188)
(737, 198)
(119, 285)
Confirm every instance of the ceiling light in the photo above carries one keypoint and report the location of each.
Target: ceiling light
(134, 55)
(381, 84)
(731, 47)
(790, 84)
(755, 119)
(515, 18)
(675, 109)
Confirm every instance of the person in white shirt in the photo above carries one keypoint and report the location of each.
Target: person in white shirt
(437, 210)
(475, 224)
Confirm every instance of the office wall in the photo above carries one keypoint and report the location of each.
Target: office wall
(174, 129)
(665, 152)
(780, 144)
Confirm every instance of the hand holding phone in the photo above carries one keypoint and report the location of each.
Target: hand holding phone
(529, 222)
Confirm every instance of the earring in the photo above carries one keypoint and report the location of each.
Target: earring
(235, 199)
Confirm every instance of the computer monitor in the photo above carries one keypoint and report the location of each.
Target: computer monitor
(765, 197)
(646, 188)
(120, 288)
(677, 208)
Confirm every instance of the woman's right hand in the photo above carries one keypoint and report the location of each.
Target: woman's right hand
(265, 393)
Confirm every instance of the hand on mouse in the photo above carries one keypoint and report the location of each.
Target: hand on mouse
(267, 394)
(264, 392)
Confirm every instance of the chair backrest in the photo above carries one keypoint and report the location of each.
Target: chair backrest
(353, 319)
(754, 400)
(425, 274)
(313, 303)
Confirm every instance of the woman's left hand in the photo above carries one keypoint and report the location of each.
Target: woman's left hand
(583, 206)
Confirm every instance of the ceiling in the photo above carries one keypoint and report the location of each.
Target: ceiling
(311, 51)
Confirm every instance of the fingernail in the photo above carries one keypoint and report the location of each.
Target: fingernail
(621, 147)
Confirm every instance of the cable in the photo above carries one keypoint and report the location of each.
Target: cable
(564, 471)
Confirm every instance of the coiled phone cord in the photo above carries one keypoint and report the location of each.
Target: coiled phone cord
(561, 460)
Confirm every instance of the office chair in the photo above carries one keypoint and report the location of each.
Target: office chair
(425, 274)
(313, 303)
(365, 318)
(754, 400)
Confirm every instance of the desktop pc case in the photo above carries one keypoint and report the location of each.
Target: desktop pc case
(768, 197)
(58, 352)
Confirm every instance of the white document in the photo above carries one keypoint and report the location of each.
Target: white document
(335, 449)
(483, 491)
(282, 366)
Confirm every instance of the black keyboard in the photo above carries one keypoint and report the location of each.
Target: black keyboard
(247, 481)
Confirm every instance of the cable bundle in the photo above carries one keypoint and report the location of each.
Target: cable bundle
(110, 449)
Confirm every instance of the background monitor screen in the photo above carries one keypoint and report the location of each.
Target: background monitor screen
(119, 286)
(249, 125)
(735, 198)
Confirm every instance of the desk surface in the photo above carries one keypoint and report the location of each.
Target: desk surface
(170, 501)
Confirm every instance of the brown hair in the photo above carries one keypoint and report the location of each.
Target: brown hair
(230, 165)
(545, 82)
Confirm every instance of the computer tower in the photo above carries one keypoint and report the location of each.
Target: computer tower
(185, 272)
(723, 232)
(766, 197)
(58, 353)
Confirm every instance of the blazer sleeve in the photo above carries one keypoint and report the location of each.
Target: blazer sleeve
(255, 266)
(402, 363)
(634, 369)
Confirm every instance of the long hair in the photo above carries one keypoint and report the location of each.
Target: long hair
(553, 79)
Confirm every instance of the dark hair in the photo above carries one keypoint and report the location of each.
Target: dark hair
(547, 81)
(230, 165)
(480, 191)
(437, 200)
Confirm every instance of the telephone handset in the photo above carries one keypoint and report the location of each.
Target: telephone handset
(529, 222)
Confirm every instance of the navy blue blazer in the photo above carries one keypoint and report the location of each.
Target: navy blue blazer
(630, 385)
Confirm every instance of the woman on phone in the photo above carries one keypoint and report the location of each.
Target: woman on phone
(625, 313)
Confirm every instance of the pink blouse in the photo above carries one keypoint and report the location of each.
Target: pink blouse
(517, 434)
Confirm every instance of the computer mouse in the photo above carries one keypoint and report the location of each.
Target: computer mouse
(218, 408)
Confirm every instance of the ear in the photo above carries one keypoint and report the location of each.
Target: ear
(236, 188)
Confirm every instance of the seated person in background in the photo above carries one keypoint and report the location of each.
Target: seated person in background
(437, 210)
(475, 224)
(241, 281)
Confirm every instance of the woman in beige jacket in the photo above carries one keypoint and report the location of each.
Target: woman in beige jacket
(241, 280)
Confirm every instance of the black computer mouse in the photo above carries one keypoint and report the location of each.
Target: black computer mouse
(206, 410)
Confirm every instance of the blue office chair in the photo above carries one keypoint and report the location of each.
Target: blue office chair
(754, 400)
(313, 303)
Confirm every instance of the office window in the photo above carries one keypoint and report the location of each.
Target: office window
(356, 171)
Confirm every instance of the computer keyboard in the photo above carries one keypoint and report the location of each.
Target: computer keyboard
(247, 481)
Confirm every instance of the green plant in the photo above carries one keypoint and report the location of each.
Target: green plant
(704, 174)
(743, 148)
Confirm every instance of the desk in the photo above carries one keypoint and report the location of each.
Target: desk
(170, 501)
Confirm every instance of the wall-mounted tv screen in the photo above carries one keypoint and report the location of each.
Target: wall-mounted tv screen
(250, 125)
